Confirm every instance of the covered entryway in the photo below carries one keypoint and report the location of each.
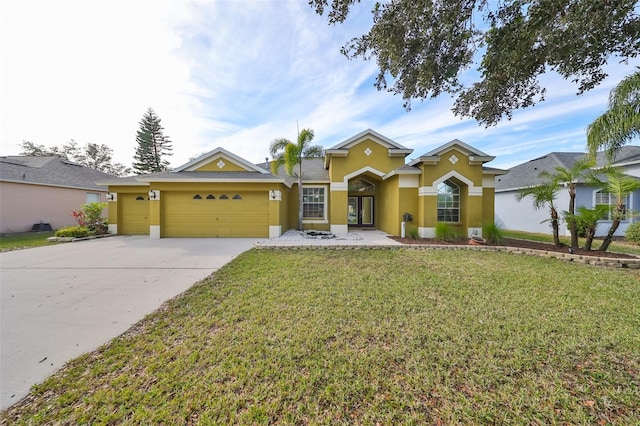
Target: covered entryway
(215, 214)
(134, 214)
(360, 203)
(360, 211)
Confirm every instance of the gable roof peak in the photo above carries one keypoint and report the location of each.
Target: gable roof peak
(470, 150)
(202, 160)
(372, 134)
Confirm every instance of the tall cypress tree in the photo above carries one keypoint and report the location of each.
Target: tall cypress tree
(153, 145)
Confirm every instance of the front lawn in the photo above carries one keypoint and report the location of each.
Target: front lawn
(22, 240)
(365, 337)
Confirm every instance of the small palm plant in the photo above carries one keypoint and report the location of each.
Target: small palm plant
(587, 220)
(544, 195)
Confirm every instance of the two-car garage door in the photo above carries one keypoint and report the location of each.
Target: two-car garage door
(215, 214)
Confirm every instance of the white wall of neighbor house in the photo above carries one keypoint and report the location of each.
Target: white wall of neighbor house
(521, 216)
(23, 205)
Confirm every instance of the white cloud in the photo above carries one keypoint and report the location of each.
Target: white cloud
(235, 74)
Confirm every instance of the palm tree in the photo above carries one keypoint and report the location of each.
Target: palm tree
(291, 155)
(569, 178)
(543, 195)
(588, 220)
(621, 122)
(620, 186)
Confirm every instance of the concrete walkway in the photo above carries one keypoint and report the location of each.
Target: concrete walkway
(58, 302)
(356, 238)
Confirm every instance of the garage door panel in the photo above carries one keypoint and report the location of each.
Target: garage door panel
(246, 216)
(134, 214)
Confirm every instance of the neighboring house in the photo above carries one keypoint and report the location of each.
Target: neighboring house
(514, 215)
(362, 182)
(45, 189)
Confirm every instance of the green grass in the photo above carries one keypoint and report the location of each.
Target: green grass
(24, 240)
(366, 337)
(616, 246)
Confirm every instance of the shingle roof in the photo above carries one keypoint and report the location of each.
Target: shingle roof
(50, 171)
(627, 154)
(527, 174)
(312, 170)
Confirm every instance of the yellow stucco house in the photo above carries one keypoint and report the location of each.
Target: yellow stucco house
(361, 182)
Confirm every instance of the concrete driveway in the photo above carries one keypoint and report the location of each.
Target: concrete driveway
(58, 302)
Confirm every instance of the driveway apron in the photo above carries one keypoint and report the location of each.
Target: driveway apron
(58, 302)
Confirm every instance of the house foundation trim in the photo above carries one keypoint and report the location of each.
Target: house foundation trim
(113, 228)
(427, 232)
(154, 232)
(339, 229)
(275, 231)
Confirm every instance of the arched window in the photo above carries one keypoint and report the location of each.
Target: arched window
(237, 197)
(139, 198)
(224, 197)
(197, 197)
(448, 202)
(211, 197)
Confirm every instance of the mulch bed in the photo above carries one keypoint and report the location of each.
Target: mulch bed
(525, 244)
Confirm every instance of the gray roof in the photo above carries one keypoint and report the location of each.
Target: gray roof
(50, 171)
(312, 170)
(527, 174)
(627, 154)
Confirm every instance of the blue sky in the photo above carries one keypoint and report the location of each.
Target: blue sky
(236, 74)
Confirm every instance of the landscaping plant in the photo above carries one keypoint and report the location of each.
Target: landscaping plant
(90, 217)
(492, 233)
(444, 232)
(632, 233)
(73, 232)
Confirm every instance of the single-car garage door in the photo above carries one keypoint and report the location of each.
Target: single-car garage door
(134, 214)
(215, 214)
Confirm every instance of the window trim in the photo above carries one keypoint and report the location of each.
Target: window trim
(325, 217)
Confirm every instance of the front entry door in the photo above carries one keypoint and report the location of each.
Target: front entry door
(360, 211)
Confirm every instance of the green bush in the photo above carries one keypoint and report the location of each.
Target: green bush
(444, 232)
(90, 216)
(632, 233)
(492, 233)
(73, 231)
(413, 234)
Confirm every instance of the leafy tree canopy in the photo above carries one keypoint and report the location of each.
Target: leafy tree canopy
(92, 155)
(423, 47)
(153, 145)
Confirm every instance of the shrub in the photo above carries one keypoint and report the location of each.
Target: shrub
(492, 233)
(90, 216)
(632, 233)
(444, 232)
(73, 231)
(413, 234)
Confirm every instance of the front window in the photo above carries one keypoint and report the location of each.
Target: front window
(610, 200)
(448, 202)
(313, 203)
(93, 198)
